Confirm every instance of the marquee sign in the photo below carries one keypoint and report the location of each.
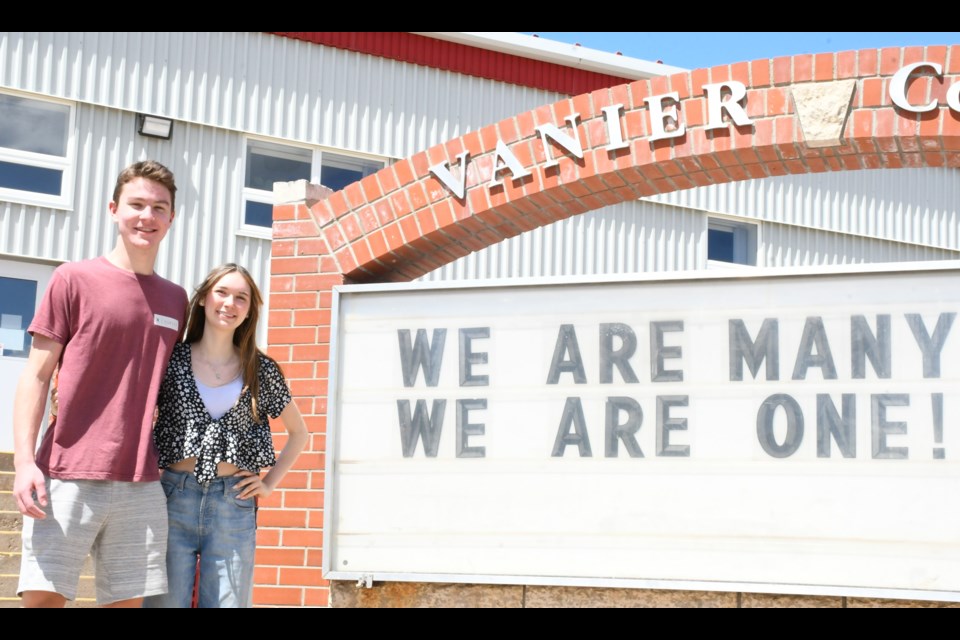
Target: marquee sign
(765, 430)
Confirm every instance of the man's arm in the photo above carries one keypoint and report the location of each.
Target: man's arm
(28, 405)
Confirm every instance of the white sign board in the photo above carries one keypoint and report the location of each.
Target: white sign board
(794, 432)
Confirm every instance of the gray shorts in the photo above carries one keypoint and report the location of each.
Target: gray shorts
(123, 525)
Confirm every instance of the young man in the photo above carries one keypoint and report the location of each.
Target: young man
(93, 485)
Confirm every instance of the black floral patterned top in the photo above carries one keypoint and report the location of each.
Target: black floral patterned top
(185, 429)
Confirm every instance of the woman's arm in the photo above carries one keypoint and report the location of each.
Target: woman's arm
(252, 485)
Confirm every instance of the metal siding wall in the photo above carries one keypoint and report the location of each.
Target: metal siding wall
(789, 246)
(649, 237)
(253, 82)
(263, 84)
(208, 165)
(632, 237)
(917, 206)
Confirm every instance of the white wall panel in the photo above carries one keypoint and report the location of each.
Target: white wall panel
(264, 84)
(643, 236)
(632, 237)
(917, 206)
(789, 246)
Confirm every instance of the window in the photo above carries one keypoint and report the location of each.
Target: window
(268, 162)
(731, 242)
(337, 171)
(35, 147)
(17, 301)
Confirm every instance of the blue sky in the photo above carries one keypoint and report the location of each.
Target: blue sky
(693, 50)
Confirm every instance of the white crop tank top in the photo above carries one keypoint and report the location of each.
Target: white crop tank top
(219, 400)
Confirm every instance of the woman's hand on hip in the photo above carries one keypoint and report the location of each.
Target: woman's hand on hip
(251, 486)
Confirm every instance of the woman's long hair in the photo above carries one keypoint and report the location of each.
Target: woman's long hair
(244, 336)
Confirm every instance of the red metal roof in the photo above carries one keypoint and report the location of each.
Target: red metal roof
(460, 58)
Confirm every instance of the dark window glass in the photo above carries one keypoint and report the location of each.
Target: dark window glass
(338, 171)
(720, 245)
(18, 299)
(259, 214)
(26, 178)
(337, 178)
(264, 167)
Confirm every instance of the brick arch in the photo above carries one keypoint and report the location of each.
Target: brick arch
(403, 222)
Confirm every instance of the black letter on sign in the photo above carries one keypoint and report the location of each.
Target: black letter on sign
(620, 357)
(468, 358)
(814, 334)
(931, 347)
(844, 430)
(765, 347)
(666, 424)
(866, 345)
(624, 431)
(415, 357)
(567, 343)
(659, 353)
(465, 429)
(794, 425)
(880, 428)
(572, 415)
(422, 425)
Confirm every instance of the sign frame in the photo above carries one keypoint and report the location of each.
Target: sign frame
(333, 497)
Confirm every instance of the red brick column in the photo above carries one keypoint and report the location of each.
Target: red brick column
(402, 222)
(290, 534)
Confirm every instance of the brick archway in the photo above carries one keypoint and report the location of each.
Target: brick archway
(403, 221)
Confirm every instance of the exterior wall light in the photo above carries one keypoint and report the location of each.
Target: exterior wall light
(154, 126)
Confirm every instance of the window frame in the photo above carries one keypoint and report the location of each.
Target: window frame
(746, 242)
(261, 195)
(65, 163)
(250, 194)
(39, 272)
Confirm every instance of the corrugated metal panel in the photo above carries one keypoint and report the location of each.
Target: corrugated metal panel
(909, 205)
(649, 237)
(631, 237)
(208, 166)
(264, 84)
(788, 246)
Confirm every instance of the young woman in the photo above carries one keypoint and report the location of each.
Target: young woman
(213, 436)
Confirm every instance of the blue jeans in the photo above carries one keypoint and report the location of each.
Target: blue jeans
(210, 523)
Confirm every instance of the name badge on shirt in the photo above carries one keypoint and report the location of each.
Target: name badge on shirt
(166, 322)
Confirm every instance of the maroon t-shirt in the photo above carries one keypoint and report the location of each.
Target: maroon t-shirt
(117, 329)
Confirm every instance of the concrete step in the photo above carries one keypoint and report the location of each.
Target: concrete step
(9, 564)
(6, 480)
(10, 542)
(6, 461)
(11, 521)
(7, 503)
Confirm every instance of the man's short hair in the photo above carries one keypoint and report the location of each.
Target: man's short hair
(149, 170)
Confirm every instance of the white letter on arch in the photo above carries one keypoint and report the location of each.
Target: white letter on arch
(898, 87)
(716, 105)
(442, 173)
(658, 116)
(571, 144)
(510, 163)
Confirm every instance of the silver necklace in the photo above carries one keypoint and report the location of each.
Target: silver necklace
(216, 368)
(216, 372)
